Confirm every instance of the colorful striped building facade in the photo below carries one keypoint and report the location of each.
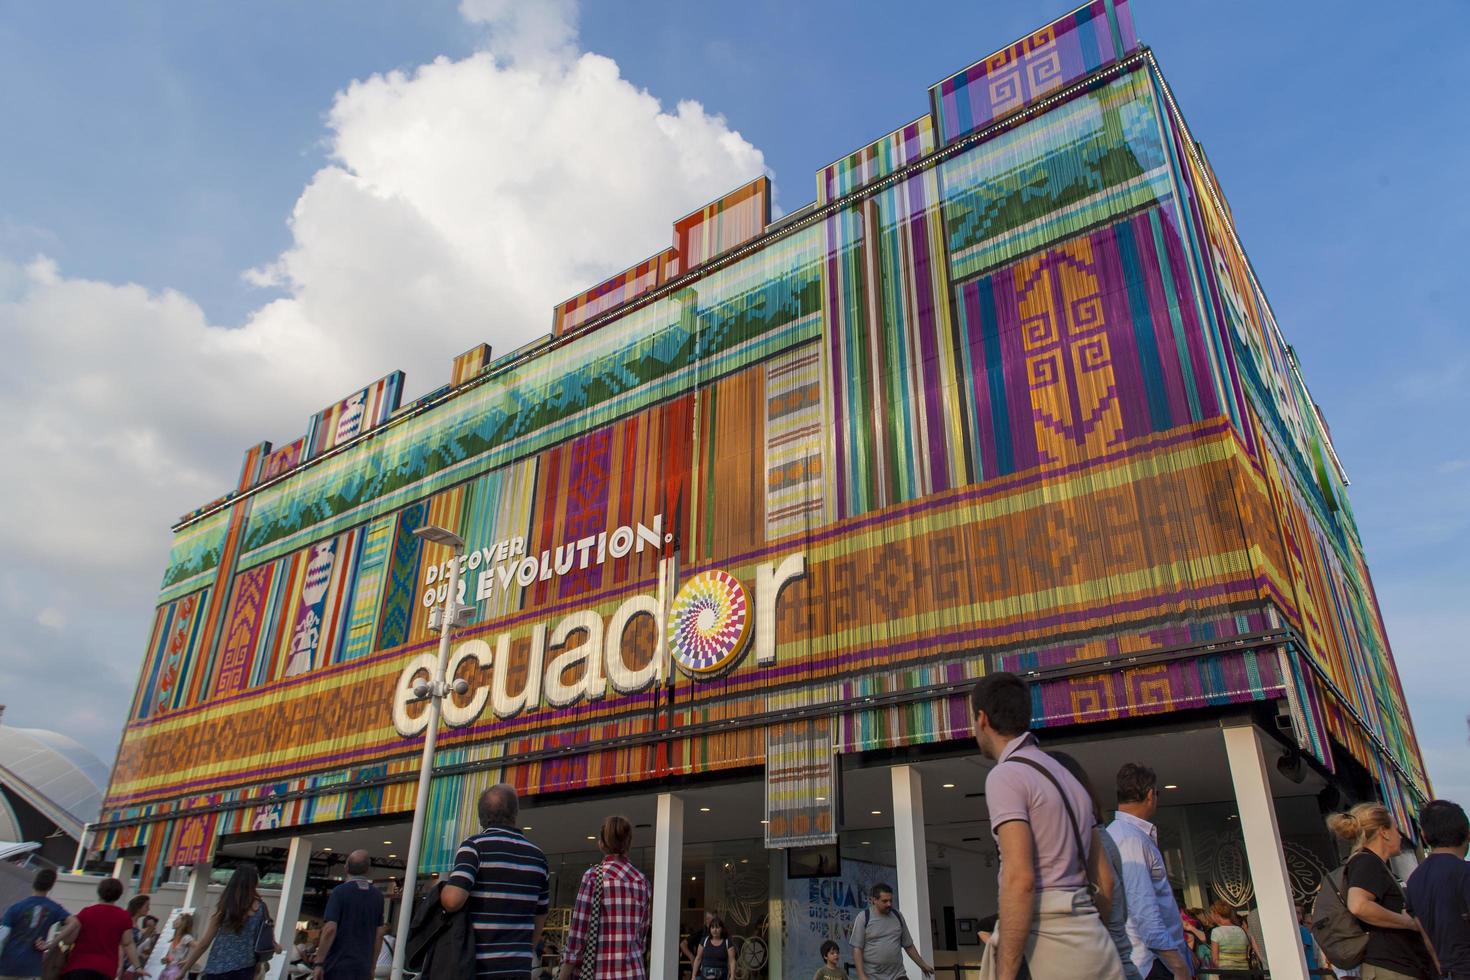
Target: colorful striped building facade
(1008, 395)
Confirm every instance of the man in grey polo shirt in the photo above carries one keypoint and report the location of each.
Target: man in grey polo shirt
(1042, 821)
(880, 937)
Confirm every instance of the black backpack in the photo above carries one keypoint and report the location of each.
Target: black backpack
(1339, 934)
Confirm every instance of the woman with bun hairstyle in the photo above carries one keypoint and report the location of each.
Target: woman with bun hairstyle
(1396, 946)
(606, 940)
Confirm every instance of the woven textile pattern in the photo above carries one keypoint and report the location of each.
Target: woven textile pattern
(368, 591)
(1322, 576)
(403, 574)
(801, 784)
(1039, 64)
(281, 460)
(469, 364)
(1081, 347)
(352, 416)
(878, 159)
(1096, 157)
(195, 555)
(175, 636)
(242, 628)
(737, 316)
(734, 219)
(891, 358)
(796, 483)
(1026, 407)
(626, 285)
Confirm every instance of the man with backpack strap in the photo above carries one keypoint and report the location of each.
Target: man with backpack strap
(1050, 857)
(880, 937)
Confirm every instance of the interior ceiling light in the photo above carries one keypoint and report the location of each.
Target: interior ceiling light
(704, 809)
(949, 785)
(876, 813)
(1170, 786)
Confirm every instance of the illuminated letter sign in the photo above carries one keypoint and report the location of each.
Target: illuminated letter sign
(710, 625)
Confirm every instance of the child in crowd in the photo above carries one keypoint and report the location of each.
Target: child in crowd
(830, 970)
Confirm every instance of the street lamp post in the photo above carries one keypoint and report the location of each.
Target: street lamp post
(435, 691)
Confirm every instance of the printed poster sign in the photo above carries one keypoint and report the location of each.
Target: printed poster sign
(819, 909)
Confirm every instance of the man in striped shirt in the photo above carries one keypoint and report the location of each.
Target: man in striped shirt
(505, 880)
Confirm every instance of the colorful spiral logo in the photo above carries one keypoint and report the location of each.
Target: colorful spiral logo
(709, 622)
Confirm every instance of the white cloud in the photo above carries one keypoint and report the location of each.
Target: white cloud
(461, 201)
(526, 31)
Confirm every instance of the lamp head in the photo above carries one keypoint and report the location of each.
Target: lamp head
(439, 535)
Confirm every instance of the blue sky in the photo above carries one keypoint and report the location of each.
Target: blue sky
(172, 148)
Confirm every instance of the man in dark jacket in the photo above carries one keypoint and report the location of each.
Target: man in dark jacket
(441, 943)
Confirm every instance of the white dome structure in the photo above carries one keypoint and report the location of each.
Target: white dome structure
(52, 774)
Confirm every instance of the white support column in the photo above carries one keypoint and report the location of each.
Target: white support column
(123, 870)
(80, 860)
(196, 890)
(912, 853)
(668, 872)
(288, 908)
(776, 921)
(1263, 850)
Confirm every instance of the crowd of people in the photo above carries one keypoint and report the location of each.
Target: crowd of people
(1079, 897)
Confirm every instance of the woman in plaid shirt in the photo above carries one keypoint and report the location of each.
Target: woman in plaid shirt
(610, 917)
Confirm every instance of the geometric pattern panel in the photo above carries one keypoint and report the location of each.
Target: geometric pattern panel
(1067, 49)
(1075, 350)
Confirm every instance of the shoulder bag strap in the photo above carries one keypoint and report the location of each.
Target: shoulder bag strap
(1071, 814)
(1464, 905)
(593, 939)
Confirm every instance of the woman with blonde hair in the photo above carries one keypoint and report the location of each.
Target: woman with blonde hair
(1230, 947)
(1396, 946)
(178, 948)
